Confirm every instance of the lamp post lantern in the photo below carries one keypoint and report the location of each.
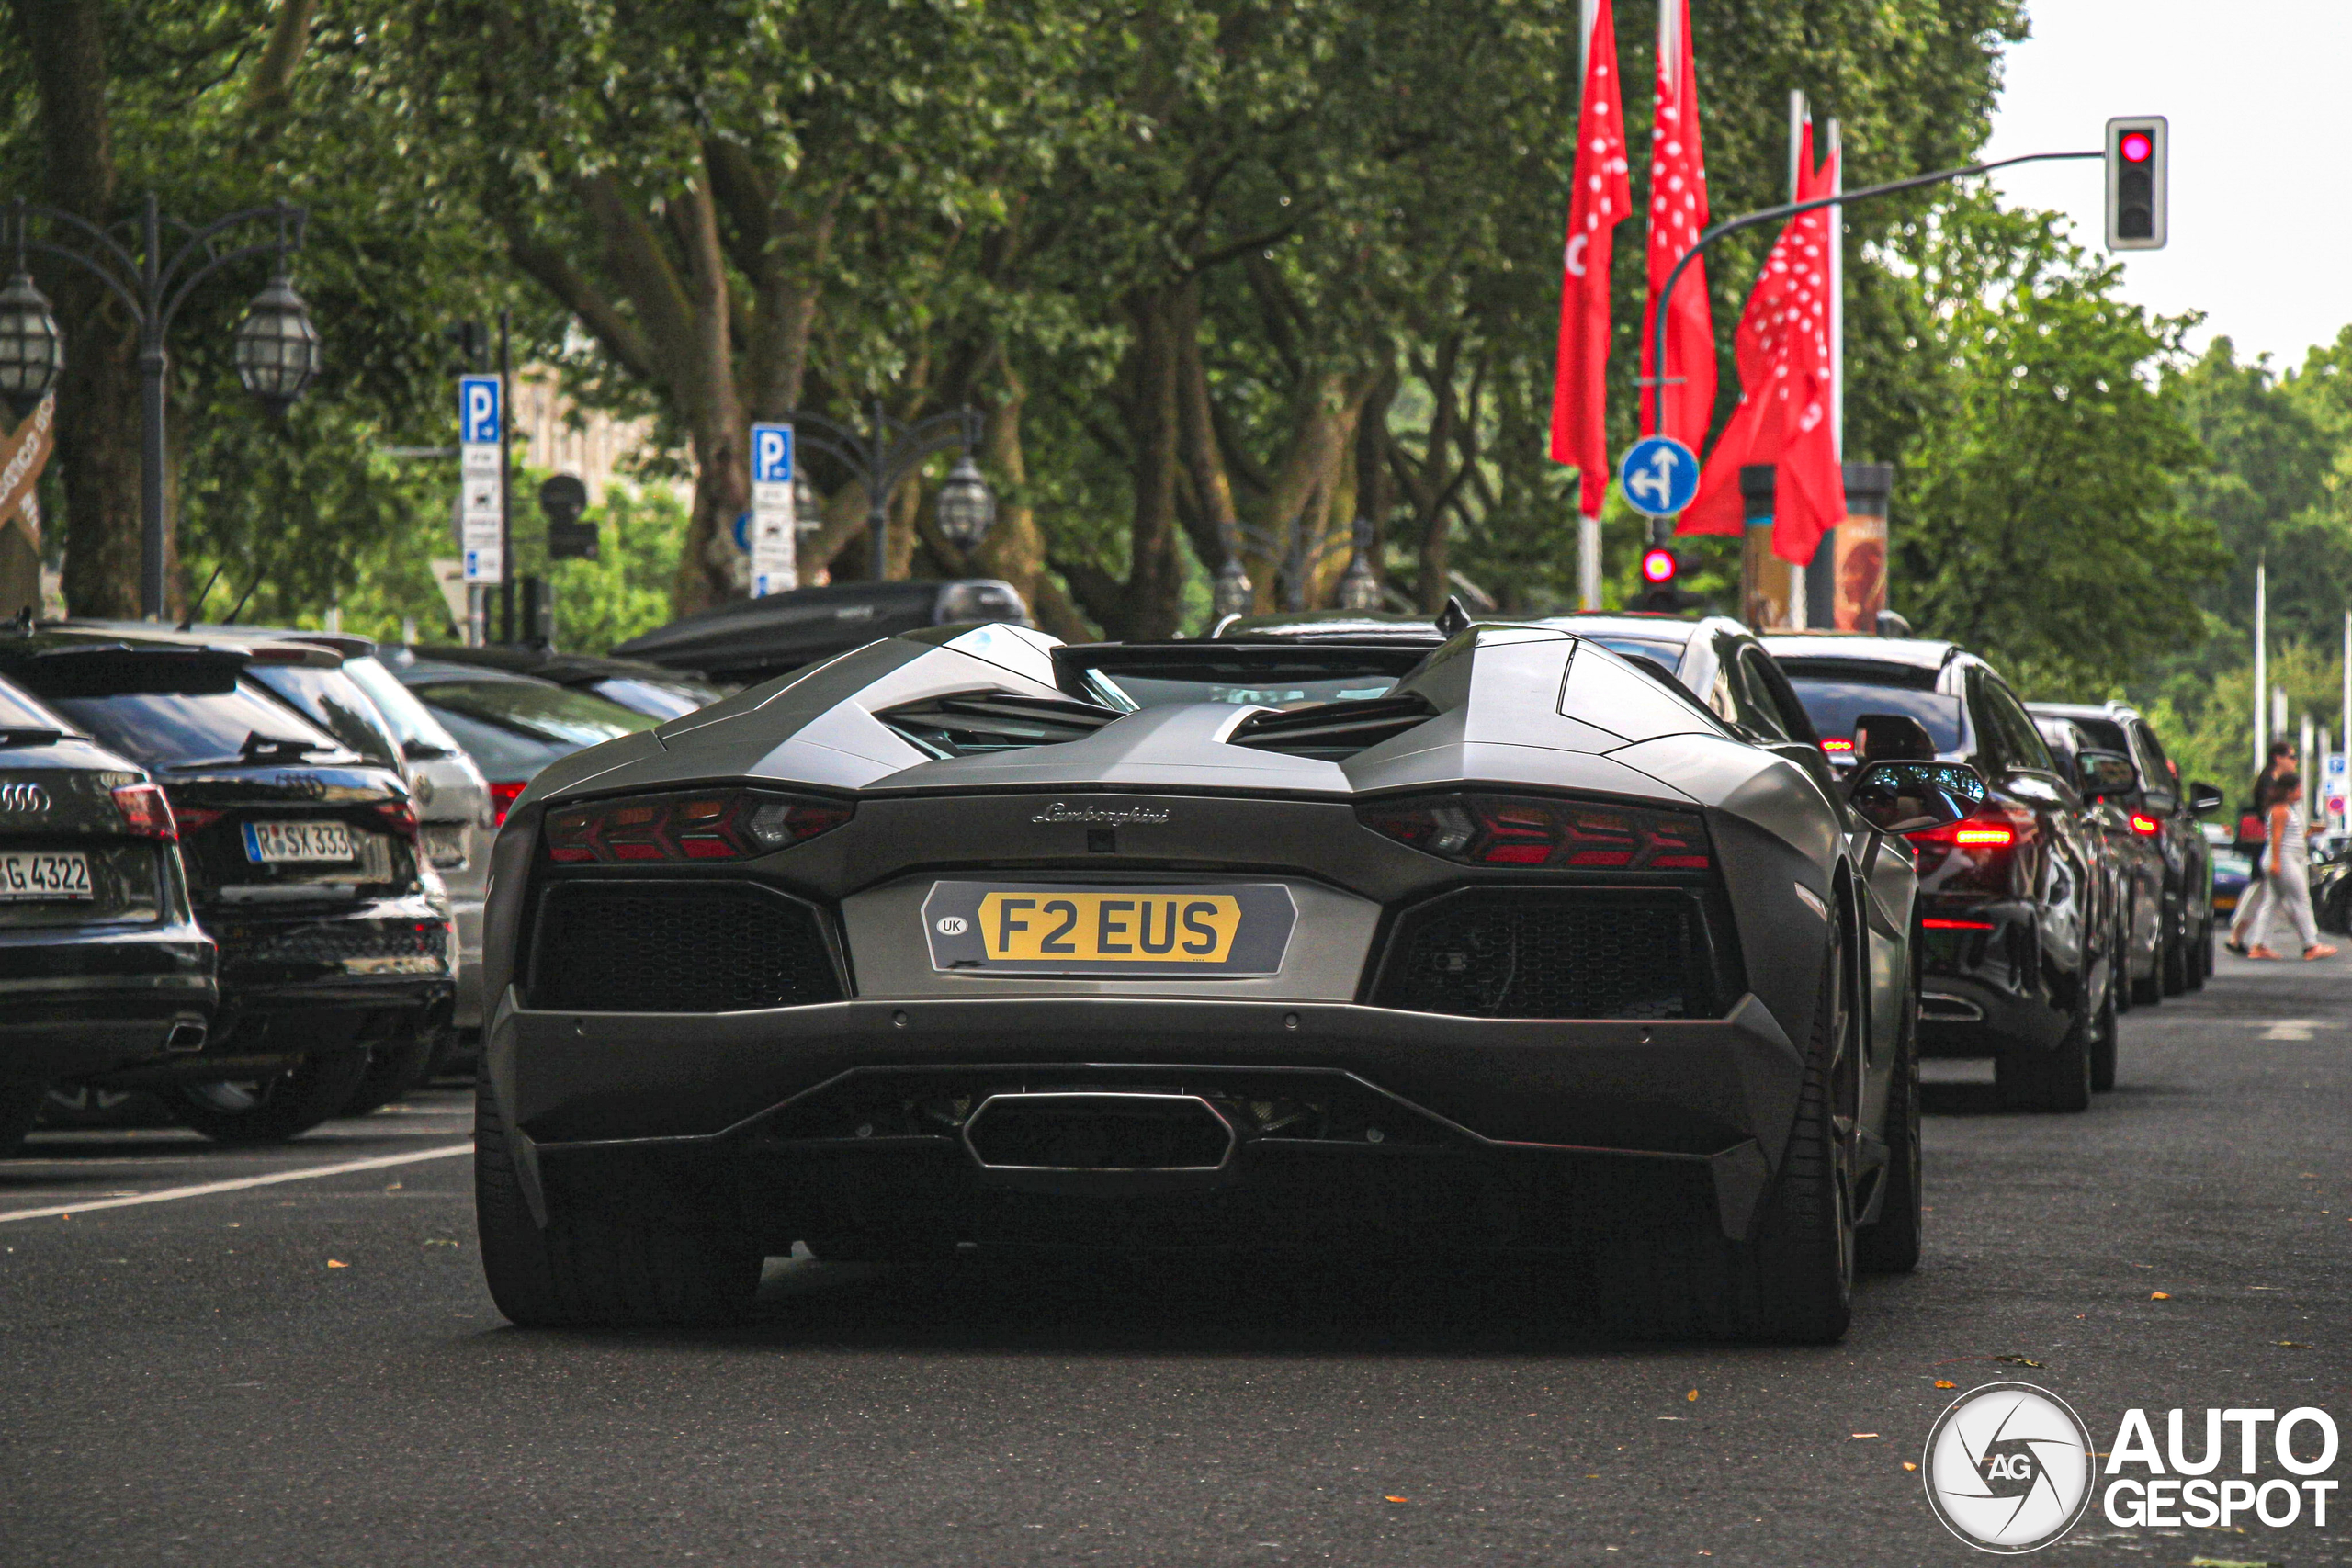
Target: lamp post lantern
(31, 352)
(882, 458)
(276, 347)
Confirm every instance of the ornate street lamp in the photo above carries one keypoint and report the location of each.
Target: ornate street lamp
(808, 506)
(31, 354)
(276, 348)
(881, 459)
(1234, 593)
(966, 505)
(1359, 589)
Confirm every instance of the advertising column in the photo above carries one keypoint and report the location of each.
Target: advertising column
(1846, 585)
(774, 568)
(481, 539)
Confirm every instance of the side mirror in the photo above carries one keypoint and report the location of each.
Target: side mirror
(2107, 774)
(1892, 738)
(1904, 797)
(2204, 799)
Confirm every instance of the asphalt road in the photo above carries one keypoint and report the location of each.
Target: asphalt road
(309, 1371)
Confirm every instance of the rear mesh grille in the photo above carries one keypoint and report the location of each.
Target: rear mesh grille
(1540, 954)
(677, 947)
(335, 943)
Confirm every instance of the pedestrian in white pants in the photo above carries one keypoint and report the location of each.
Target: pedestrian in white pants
(2247, 922)
(2286, 874)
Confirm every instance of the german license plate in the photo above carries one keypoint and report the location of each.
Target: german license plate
(1218, 929)
(29, 876)
(268, 842)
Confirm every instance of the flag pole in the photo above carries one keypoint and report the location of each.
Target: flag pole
(1588, 527)
(2261, 670)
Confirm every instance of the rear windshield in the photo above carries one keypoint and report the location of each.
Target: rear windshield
(1834, 706)
(177, 729)
(512, 728)
(1268, 677)
(1668, 655)
(2105, 734)
(20, 711)
(334, 702)
(412, 724)
(658, 698)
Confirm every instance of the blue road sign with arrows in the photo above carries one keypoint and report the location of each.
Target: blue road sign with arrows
(1659, 476)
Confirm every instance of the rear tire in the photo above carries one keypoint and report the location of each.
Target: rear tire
(2176, 963)
(2104, 1041)
(1891, 1244)
(1793, 1283)
(2201, 957)
(19, 1109)
(2057, 1079)
(2146, 993)
(597, 1264)
(394, 1068)
(270, 1110)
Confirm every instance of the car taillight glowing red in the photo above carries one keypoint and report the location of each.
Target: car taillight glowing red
(723, 824)
(399, 816)
(1495, 829)
(146, 814)
(1836, 748)
(1969, 832)
(2146, 826)
(502, 792)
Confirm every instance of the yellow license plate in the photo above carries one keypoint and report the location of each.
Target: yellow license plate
(1059, 929)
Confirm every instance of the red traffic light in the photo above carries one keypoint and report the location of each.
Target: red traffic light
(1660, 567)
(2137, 148)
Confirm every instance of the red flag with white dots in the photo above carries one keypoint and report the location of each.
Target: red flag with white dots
(1686, 406)
(1787, 382)
(1599, 202)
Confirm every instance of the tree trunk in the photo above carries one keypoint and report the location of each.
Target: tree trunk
(1152, 604)
(97, 396)
(1211, 521)
(1375, 486)
(1015, 548)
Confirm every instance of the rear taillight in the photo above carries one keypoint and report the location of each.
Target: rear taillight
(721, 824)
(145, 813)
(2146, 826)
(400, 817)
(1938, 925)
(1532, 831)
(1994, 828)
(1839, 747)
(502, 793)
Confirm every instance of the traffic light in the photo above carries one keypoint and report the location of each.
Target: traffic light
(1661, 580)
(2135, 183)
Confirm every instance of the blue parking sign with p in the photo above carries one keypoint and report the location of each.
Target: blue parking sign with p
(770, 453)
(477, 410)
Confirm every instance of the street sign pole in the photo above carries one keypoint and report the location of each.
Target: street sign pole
(481, 509)
(774, 569)
(506, 478)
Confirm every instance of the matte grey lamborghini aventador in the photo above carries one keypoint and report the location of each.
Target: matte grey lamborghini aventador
(968, 936)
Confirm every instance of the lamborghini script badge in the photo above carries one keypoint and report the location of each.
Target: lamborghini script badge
(1105, 816)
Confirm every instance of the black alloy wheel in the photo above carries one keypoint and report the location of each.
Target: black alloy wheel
(271, 1109)
(2058, 1078)
(19, 1109)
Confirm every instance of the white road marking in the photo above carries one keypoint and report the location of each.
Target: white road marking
(305, 1174)
(2290, 1028)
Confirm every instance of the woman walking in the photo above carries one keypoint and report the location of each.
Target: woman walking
(2286, 872)
(2253, 903)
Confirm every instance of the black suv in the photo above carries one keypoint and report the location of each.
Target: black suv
(2165, 812)
(302, 860)
(102, 965)
(2018, 940)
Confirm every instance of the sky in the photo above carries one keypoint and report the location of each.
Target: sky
(2253, 92)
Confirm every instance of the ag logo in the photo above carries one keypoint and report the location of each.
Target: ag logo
(2008, 1467)
(952, 925)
